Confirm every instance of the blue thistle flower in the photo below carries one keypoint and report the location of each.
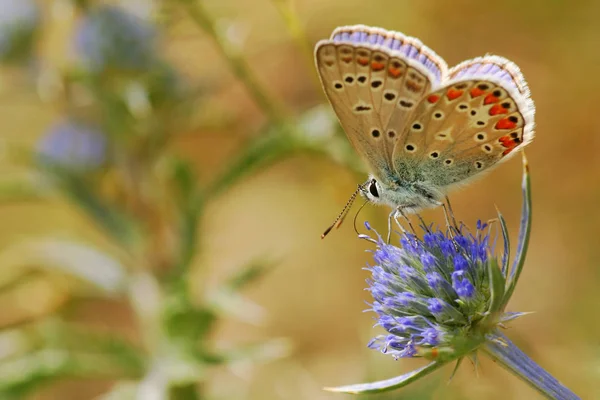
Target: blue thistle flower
(443, 298)
(73, 145)
(19, 22)
(109, 37)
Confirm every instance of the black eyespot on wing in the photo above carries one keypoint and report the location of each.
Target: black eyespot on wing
(362, 79)
(373, 189)
(375, 133)
(376, 84)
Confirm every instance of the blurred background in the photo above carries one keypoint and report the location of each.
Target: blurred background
(167, 168)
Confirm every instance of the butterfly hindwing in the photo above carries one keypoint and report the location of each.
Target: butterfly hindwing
(469, 125)
(374, 80)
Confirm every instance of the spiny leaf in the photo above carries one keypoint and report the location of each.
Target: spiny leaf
(388, 384)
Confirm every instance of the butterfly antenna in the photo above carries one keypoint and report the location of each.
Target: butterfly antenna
(340, 218)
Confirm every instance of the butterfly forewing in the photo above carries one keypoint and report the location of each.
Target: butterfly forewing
(355, 110)
(469, 125)
(374, 80)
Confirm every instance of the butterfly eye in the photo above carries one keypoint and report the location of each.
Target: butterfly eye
(373, 189)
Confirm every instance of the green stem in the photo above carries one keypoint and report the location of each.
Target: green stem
(237, 63)
(509, 356)
(186, 391)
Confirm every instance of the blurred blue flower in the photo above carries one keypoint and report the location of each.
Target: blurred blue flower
(19, 20)
(73, 145)
(443, 298)
(109, 37)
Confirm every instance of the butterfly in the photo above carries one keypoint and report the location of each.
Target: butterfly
(421, 127)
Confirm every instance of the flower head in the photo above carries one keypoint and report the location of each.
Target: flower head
(73, 145)
(431, 291)
(111, 38)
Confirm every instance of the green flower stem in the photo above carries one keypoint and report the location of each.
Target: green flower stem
(509, 356)
(237, 63)
(263, 150)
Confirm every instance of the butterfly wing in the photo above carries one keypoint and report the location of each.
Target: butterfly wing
(471, 124)
(374, 80)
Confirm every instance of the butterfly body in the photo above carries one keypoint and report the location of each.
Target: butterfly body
(421, 127)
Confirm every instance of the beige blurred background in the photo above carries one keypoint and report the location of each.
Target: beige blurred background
(314, 296)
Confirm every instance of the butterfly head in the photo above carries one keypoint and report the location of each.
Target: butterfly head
(372, 190)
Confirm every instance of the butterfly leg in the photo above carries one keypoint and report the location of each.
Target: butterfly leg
(393, 216)
(449, 216)
(390, 217)
(407, 221)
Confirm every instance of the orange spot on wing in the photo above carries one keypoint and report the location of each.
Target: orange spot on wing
(347, 59)
(498, 109)
(363, 61)
(395, 72)
(377, 66)
(506, 141)
(509, 143)
(504, 123)
(490, 98)
(505, 152)
(476, 92)
(454, 94)
(433, 98)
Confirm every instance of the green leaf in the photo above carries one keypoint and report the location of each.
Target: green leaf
(23, 185)
(524, 235)
(497, 285)
(506, 240)
(272, 145)
(79, 260)
(190, 204)
(265, 351)
(115, 222)
(249, 273)
(224, 301)
(53, 349)
(389, 384)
